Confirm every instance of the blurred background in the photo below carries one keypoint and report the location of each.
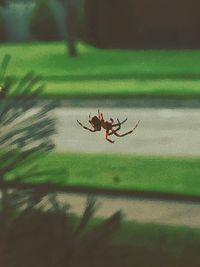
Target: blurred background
(105, 24)
(135, 59)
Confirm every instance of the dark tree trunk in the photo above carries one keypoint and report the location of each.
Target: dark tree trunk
(71, 22)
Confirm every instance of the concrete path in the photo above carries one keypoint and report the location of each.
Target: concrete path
(161, 131)
(168, 212)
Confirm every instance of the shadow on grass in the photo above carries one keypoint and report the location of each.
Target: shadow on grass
(121, 76)
(47, 235)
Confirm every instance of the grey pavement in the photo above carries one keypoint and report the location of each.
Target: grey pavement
(175, 213)
(161, 131)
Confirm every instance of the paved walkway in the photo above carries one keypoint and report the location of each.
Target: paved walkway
(168, 212)
(161, 131)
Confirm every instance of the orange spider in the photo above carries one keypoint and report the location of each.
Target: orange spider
(99, 122)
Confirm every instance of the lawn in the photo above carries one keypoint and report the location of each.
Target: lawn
(40, 238)
(157, 245)
(179, 175)
(99, 72)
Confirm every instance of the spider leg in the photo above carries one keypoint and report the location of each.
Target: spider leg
(99, 114)
(119, 126)
(111, 120)
(129, 132)
(106, 137)
(91, 130)
(114, 131)
(119, 123)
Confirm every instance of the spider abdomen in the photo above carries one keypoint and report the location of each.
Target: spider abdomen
(96, 123)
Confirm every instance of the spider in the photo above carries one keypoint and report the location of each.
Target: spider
(99, 122)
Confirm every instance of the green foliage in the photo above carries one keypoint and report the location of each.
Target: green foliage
(158, 245)
(51, 238)
(26, 131)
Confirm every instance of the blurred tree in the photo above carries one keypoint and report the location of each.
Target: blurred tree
(52, 237)
(67, 12)
(110, 24)
(44, 21)
(25, 133)
(51, 20)
(16, 16)
(71, 7)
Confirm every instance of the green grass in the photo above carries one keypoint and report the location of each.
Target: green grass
(128, 87)
(151, 244)
(157, 245)
(40, 238)
(98, 72)
(179, 175)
